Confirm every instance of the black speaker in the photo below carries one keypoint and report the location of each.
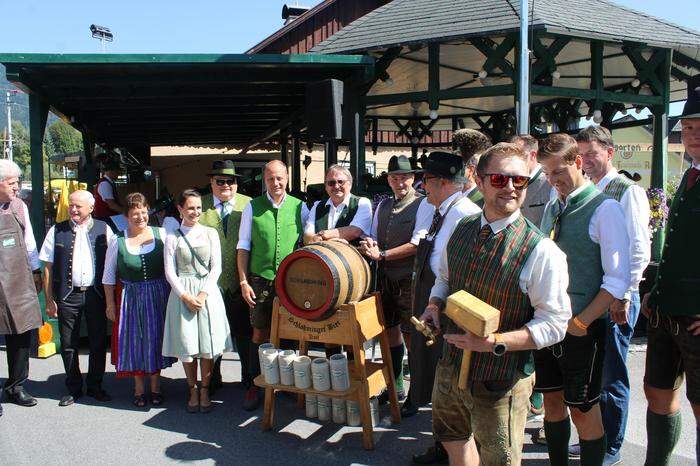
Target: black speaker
(324, 110)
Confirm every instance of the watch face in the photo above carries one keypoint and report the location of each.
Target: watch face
(499, 349)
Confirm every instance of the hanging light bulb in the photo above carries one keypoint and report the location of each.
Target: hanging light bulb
(556, 74)
(624, 111)
(483, 74)
(638, 110)
(597, 119)
(635, 82)
(597, 114)
(414, 140)
(433, 115)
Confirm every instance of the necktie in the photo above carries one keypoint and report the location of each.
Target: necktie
(484, 233)
(692, 178)
(225, 212)
(436, 221)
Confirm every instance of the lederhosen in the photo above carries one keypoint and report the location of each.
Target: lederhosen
(423, 359)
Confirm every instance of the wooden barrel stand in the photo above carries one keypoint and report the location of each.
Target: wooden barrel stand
(352, 324)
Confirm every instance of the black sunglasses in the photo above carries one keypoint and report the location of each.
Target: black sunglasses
(332, 183)
(227, 181)
(499, 180)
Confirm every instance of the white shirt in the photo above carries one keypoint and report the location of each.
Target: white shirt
(109, 276)
(462, 208)
(198, 235)
(424, 217)
(83, 272)
(544, 278)
(635, 205)
(607, 229)
(362, 219)
(105, 190)
(29, 240)
(219, 205)
(245, 230)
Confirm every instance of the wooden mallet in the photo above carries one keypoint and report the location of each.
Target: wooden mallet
(471, 315)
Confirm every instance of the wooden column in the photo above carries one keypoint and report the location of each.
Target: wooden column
(38, 114)
(296, 163)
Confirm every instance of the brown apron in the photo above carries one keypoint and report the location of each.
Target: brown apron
(423, 359)
(19, 304)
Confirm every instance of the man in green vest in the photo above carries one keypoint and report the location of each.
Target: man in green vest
(501, 258)
(392, 245)
(271, 227)
(585, 224)
(471, 143)
(673, 305)
(343, 215)
(597, 149)
(222, 210)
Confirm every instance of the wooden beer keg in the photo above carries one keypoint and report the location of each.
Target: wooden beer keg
(312, 282)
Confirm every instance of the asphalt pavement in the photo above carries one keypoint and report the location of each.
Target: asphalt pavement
(118, 433)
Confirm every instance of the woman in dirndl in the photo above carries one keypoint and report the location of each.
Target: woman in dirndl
(196, 328)
(135, 257)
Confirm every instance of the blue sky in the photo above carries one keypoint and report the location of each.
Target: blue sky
(180, 26)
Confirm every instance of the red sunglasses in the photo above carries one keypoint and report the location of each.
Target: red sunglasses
(499, 180)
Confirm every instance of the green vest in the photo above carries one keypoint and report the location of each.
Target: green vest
(140, 267)
(617, 187)
(476, 197)
(345, 218)
(582, 254)
(274, 234)
(210, 217)
(677, 287)
(490, 270)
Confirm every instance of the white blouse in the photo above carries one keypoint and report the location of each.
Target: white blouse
(198, 235)
(109, 276)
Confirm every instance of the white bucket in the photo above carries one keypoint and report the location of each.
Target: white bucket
(286, 363)
(311, 406)
(340, 378)
(324, 408)
(270, 367)
(338, 410)
(302, 372)
(353, 413)
(321, 375)
(262, 348)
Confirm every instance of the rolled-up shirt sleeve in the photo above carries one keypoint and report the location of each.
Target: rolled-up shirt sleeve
(109, 275)
(304, 213)
(424, 217)
(363, 216)
(310, 224)
(636, 208)
(375, 223)
(170, 267)
(30, 241)
(46, 253)
(607, 229)
(545, 279)
(245, 230)
(441, 288)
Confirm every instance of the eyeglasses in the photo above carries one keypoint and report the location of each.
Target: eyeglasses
(499, 180)
(227, 181)
(332, 183)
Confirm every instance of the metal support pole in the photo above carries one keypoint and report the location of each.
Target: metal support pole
(296, 163)
(524, 72)
(357, 150)
(659, 162)
(38, 113)
(9, 127)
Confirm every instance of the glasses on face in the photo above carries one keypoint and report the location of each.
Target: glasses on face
(332, 183)
(499, 180)
(225, 182)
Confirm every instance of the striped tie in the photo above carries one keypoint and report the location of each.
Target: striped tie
(436, 221)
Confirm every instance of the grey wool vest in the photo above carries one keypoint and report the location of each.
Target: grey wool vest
(569, 229)
(395, 222)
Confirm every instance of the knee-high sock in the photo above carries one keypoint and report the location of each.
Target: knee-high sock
(663, 432)
(243, 347)
(558, 434)
(253, 360)
(593, 451)
(397, 353)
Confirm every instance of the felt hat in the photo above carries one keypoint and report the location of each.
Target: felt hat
(444, 165)
(399, 164)
(692, 105)
(223, 168)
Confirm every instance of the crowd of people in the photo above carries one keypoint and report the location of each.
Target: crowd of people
(546, 231)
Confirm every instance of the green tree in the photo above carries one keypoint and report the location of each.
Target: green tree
(20, 146)
(61, 138)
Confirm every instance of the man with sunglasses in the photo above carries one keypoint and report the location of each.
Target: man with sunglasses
(392, 246)
(503, 259)
(471, 143)
(343, 215)
(596, 147)
(585, 224)
(673, 305)
(438, 213)
(222, 211)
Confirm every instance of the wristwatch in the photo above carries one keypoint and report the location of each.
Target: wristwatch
(499, 347)
(382, 255)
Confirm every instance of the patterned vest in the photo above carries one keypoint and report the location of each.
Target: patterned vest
(677, 288)
(274, 235)
(570, 231)
(64, 240)
(617, 187)
(210, 218)
(490, 270)
(102, 211)
(140, 267)
(395, 222)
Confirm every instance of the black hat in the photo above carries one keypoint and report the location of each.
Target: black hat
(223, 168)
(444, 165)
(692, 105)
(399, 164)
